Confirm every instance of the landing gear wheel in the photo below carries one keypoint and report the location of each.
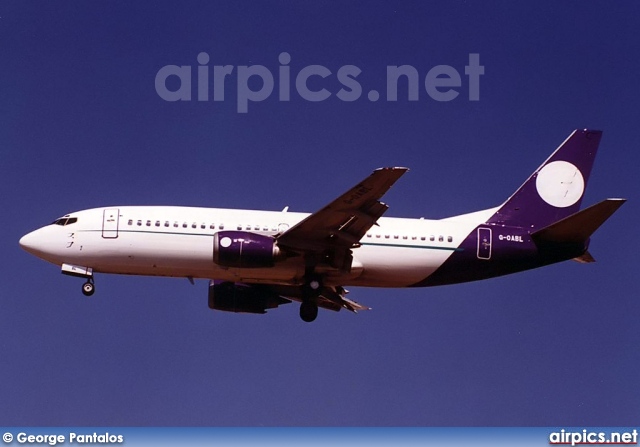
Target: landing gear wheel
(312, 286)
(308, 311)
(88, 288)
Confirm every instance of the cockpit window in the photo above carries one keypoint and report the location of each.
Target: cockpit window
(65, 221)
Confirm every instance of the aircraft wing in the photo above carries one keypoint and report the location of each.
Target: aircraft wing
(329, 235)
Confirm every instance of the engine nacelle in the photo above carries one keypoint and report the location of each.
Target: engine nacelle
(243, 298)
(244, 249)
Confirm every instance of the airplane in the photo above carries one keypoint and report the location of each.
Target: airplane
(258, 260)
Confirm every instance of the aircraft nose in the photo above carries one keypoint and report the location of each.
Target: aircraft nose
(28, 242)
(38, 243)
(45, 243)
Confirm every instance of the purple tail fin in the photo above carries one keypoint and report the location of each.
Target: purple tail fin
(555, 190)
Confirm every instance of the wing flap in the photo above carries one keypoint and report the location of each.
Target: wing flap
(331, 297)
(334, 299)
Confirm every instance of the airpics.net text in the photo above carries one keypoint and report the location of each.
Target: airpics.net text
(255, 83)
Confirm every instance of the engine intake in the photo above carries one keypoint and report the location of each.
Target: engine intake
(243, 298)
(244, 249)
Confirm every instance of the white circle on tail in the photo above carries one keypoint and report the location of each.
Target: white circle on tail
(560, 184)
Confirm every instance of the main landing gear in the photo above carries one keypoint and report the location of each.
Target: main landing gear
(311, 289)
(308, 311)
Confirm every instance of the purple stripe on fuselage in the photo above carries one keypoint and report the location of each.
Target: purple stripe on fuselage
(508, 250)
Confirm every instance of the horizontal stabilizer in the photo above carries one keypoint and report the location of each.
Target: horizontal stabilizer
(578, 227)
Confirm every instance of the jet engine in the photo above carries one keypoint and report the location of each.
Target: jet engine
(244, 249)
(243, 298)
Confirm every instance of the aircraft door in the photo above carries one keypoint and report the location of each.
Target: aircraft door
(110, 219)
(484, 243)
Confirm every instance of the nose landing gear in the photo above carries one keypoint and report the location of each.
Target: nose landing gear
(88, 287)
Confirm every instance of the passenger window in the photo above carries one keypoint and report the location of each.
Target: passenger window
(404, 237)
(139, 222)
(449, 239)
(440, 239)
(194, 225)
(432, 238)
(220, 227)
(423, 238)
(239, 227)
(212, 226)
(395, 236)
(175, 224)
(157, 223)
(203, 226)
(130, 222)
(386, 236)
(184, 225)
(148, 223)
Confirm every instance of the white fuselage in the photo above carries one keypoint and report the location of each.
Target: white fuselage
(178, 242)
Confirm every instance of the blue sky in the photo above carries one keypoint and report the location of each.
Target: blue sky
(83, 127)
